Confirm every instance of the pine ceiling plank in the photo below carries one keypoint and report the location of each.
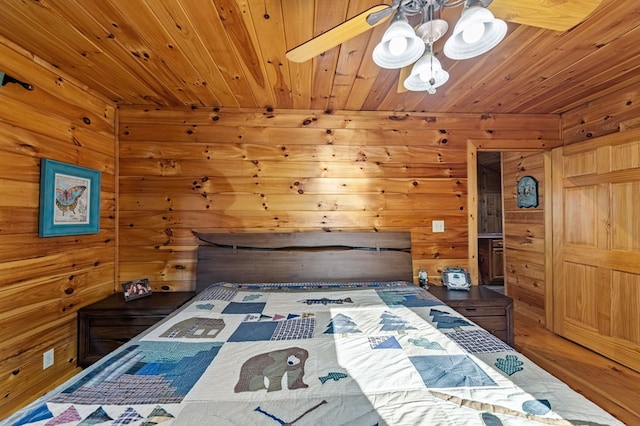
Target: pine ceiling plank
(204, 81)
(574, 52)
(397, 101)
(103, 23)
(39, 29)
(268, 22)
(467, 76)
(155, 44)
(246, 80)
(386, 83)
(524, 44)
(298, 29)
(238, 27)
(187, 39)
(15, 62)
(352, 54)
(366, 74)
(604, 89)
(328, 15)
(590, 78)
(476, 77)
(558, 53)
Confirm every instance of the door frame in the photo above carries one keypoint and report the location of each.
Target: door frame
(475, 145)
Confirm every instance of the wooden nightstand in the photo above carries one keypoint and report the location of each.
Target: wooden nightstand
(105, 325)
(487, 308)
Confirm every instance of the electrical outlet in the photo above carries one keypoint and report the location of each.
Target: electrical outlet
(47, 359)
(437, 225)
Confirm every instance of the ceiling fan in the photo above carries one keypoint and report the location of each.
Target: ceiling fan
(477, 31)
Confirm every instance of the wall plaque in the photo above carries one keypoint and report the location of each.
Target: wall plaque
(527, 193)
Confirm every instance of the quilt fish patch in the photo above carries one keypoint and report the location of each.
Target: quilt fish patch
(333, 375)
(325, 301)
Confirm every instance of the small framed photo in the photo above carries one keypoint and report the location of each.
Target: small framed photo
(69, 199)
(136, 289)
(456, 279)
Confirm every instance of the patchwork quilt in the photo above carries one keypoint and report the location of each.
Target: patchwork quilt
(314, 354)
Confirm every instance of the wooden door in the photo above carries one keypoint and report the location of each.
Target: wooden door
(596, 240)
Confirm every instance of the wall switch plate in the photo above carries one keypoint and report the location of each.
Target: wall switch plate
(437, 225)
(47, 359)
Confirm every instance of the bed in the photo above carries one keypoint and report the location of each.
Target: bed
(312, 329)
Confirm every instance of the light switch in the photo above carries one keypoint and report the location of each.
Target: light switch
(47, 359)
(437, 225)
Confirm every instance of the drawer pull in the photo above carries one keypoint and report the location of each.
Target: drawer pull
(122, 339)
(470, 309)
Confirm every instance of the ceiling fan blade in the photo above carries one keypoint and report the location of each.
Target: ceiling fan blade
(552, 15)
(337, 35)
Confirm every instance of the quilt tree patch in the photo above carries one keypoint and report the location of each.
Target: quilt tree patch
(393, 322)
(341, 324)
(444, 319)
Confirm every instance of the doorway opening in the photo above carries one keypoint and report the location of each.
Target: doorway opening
(490, 223)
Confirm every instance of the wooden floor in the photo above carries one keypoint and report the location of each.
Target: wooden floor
(610, 385)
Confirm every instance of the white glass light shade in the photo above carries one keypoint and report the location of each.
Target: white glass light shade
(399, 46)
(477, 32)
(427, 74)
(432, 30)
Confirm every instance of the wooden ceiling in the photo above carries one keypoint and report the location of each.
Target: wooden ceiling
(231, 53)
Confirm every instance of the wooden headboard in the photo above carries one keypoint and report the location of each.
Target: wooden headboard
(303, 257)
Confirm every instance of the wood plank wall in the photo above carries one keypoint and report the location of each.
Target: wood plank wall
(220, 170)
(602, 116)
(43, 281)
(524, 235)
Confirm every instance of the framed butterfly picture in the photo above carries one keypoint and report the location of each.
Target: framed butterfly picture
(69, 199)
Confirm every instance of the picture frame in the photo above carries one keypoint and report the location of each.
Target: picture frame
(456, 279)
(527, 192)
(69, 199)
(136, 289)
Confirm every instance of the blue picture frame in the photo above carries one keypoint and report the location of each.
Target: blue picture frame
(69, 199)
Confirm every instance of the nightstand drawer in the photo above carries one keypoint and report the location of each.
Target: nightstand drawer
(501, 334)
(108, 324)
(96, 322)
(480, 311)
(101, 346)
(491, 324)
(487, 308)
